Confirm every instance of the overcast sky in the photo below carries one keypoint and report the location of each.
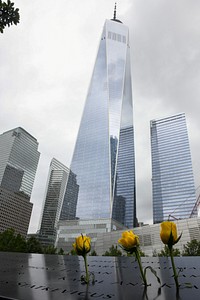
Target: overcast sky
(46, 64)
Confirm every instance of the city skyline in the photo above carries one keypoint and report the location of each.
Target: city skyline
(42, 61)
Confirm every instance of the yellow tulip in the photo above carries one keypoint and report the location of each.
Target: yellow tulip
(82, 245)
(168, 233)
(129, 241)
(169, 236)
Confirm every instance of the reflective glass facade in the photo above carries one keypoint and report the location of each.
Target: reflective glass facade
(56, 185)
(103, 158)
(172, 175)
(18, 160)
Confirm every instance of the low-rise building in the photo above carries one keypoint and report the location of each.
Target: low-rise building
(103, 238)
(149, 236)
(69, 230)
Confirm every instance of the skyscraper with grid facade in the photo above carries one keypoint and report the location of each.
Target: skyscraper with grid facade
(172, 175)
(56, 184)
(19, 158)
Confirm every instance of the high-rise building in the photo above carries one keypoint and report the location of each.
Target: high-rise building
(19, 158)
(56, 184)
(18, 164)
(15, 211)
(172, 175)
(55, 188)
(103, 158)
(68, 211)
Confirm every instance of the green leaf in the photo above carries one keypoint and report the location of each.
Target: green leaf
(178, 238)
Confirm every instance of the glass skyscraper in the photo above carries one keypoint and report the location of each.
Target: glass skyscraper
(172, 175)
(56, 185)
(103, 158)
(19, 158)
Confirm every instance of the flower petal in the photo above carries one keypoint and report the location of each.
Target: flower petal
(82, 245)
(129, 241)
(168, 233)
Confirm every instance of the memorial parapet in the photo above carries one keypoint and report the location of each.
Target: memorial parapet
(57, 277)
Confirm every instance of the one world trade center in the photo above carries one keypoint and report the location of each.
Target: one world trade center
(104, 157)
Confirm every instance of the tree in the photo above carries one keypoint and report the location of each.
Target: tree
(93, 253)
(165, 252)
(61, 251)
(192, 248)
(8, 14)
(20, 244)
(50, 250)
(33, 245)
(113, 251)
(11, 242)
(73, 252)
(7, 240)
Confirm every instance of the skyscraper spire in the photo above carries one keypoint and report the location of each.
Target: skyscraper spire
(114, 17)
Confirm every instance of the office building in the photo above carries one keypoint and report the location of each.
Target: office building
(15, 211)
(55, 188)
(172, 175)
(103, 158)
(18, 164)
(19, 158)
(149, 237)
(69, 230)
(56, 184)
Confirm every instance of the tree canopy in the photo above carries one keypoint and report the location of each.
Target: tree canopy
(165, 252)
(192, 248)
(113, 251)
(9, 15)
(12, 242)
(33, 245)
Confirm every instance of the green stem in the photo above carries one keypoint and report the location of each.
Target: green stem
(137, 254)
(86, 269)
(174, 268)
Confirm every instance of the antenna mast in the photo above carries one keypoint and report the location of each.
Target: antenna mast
(114, 17)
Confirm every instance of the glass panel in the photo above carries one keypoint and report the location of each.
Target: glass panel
(172, 175)
(103, 159)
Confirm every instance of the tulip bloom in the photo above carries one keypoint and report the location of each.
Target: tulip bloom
(168, 233)
(129, 241)
(82, 246)
(169, 236)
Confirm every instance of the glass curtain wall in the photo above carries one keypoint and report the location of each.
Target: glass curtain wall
(172, 175)
(19, 160)
(103, 158)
